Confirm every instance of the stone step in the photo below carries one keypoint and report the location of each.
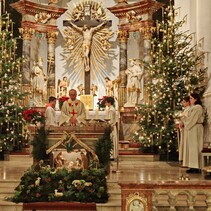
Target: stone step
(138, 158)
(114, 190)
(20, 157)
(7, 188)
(10, 206)
(111, 205)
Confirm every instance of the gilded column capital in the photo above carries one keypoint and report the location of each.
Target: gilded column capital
(26, 33)
(123, 35)
(147, 31)
(51, 37)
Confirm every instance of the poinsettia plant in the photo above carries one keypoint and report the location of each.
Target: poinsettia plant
(33, 116)
(62, 100)
(101, 102)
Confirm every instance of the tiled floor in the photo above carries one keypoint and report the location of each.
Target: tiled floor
(128, 170)
(141, 171)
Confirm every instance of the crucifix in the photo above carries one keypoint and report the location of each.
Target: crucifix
(87, 27)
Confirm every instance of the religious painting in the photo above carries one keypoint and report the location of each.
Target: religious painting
(88, 101)
(136, 202)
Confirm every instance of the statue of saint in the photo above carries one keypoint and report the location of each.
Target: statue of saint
(87, 33)
(134, 77)
(39, 84)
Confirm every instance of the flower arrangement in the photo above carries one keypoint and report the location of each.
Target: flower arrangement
(48, 184)
(62, 100)
(33, 116)
(101, 102)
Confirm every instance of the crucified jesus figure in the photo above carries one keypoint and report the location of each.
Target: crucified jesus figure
(87, 33)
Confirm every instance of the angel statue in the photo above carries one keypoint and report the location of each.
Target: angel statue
(63, 86)
(94, 89)
(87, 33)
(42, 17)
(80, 89)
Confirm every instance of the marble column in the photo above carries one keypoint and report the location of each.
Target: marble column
(123, 38)
(26, 80)
(146, 31)
(51, 39)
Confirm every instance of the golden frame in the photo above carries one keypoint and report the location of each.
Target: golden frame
(136, 201)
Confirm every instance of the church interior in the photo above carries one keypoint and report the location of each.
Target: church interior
(105, 105)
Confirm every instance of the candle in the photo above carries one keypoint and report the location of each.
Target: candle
(96, 113)
(87, 112)
(106, 115)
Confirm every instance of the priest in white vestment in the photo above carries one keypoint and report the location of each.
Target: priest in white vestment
(183, 132)
(73, 111)
(195, 134)
(50, 114)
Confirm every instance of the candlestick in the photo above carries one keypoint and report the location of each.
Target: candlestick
(96, 113)
(87, 112)
(107, 115)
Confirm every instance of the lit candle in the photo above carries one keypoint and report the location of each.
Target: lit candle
(106, 115)
(96, 113)
(87, 112)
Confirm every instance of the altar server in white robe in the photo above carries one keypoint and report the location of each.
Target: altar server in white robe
(50, 114)
(73, 111)
(109, 102)
(183, 132)
(195, 134)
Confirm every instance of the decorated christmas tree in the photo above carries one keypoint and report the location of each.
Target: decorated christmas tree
(176, 71)
(11, 96)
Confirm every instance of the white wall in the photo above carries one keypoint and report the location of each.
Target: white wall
(199, 21)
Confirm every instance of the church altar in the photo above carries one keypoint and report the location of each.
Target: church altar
(92, 115)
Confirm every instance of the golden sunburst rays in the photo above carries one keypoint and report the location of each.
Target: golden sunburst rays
(100, 45)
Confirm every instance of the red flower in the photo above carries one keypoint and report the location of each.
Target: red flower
(101, 102)
(76, 103)
(63, 99)
(33, 116)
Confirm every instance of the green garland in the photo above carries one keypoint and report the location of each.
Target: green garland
(39, 144)
(75, 185)
(103, 148)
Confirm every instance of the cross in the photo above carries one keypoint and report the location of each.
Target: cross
(73, 112)
(90, 23)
